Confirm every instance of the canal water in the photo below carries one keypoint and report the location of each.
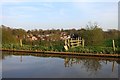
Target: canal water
(17, 65)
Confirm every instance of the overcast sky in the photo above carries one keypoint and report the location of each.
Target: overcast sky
(57, 14)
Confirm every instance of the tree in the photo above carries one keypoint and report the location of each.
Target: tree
(7, 37)
(94, 35)
(20, 34)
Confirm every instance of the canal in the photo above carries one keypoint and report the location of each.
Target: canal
(17, 65)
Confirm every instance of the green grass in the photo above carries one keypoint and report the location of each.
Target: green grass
(94, 49)
(59, 47)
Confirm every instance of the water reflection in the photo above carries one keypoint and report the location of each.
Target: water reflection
(90, 65)
(0, 55)
(0, 64)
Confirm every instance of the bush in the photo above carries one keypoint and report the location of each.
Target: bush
(93, 49)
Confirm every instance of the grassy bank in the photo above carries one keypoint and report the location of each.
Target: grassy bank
(95, 49)
(41, 46)
(58, 46)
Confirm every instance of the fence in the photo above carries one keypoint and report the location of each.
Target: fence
(70, 43)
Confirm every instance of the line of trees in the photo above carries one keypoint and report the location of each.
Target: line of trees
(93, 35)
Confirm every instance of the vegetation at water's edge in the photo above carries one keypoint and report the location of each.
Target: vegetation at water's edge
(43, 46)
(60, 48)
(96, 40)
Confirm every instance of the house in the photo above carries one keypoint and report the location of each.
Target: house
(31, 37)
(34, 38)
(64, 36)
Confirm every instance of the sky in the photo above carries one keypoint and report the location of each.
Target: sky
(58, 14)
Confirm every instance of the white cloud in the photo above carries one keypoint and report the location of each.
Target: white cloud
(15, 1)
(19, 11)
(0, 13)
(106, 14)
(104, 17)
(62, 12)
(95, 0)
(60, 1)
(48, 5)
(24, 8)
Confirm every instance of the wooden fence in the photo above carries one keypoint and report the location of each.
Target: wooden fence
(70, 43)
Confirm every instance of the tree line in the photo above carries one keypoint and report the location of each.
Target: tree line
(92, 34)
